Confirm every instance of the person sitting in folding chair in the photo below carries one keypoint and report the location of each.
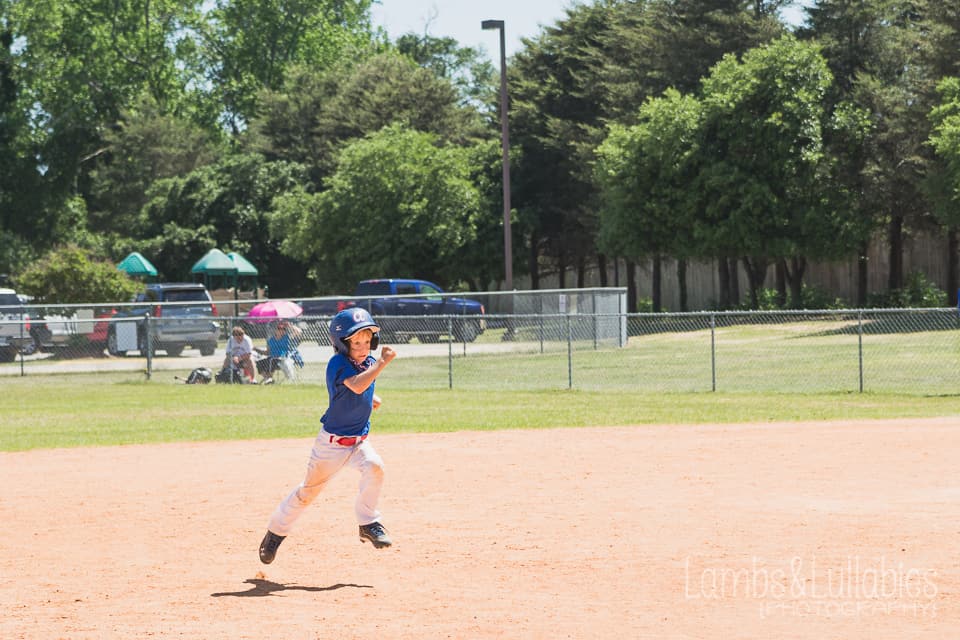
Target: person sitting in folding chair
(239, 354)
(282, 353)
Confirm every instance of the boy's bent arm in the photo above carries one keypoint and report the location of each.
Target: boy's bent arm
(362, 381)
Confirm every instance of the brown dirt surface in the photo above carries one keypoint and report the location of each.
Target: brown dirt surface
(800, 530)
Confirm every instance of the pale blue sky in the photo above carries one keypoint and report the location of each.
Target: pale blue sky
(460, 19)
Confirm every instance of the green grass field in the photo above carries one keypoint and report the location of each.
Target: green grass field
(778, 358)
(108, 409)
(768, 372)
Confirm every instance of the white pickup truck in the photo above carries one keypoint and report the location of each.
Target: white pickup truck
(80, 332)
(14, 326)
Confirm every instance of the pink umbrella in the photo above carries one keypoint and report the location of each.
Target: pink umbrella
(273, 309)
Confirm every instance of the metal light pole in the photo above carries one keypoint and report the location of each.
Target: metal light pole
(505, 144)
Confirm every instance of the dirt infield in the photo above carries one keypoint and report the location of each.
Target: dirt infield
(819, 530)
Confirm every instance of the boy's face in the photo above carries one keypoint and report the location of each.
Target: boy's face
(359, 344)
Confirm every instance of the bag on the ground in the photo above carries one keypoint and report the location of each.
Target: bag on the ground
(230, 375)
(200, 375)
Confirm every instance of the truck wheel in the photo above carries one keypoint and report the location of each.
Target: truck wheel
(112, 344)
(174, 352)
(31, 347)
(95, 349)
(208, 349)
(467, 332)
(8, 354)
(41, 336)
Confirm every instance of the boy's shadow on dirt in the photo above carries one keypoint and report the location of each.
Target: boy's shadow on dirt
(262, 587)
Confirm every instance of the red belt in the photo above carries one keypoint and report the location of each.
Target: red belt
(347, 441)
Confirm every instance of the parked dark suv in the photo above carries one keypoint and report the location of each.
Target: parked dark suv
(181, 314)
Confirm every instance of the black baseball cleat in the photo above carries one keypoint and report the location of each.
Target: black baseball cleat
(376, 534)
(268, 548)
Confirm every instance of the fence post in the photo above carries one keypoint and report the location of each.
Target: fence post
(20, 348)
(713, 352)
(450, 351)
(148, 331)
(540, 320)
(569, 354)
(860, 344)
(623, 322)
(596, 322)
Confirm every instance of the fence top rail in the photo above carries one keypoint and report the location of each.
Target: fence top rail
(469, 294)
(225, 301)
(29, 307)
(793, 312)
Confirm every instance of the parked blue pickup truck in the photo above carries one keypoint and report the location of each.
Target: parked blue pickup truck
(388, 299)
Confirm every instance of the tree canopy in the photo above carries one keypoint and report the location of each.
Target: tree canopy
(684, 129)
(398, 202)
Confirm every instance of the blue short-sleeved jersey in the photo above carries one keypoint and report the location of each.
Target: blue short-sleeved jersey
(348, 413)
(279, 347)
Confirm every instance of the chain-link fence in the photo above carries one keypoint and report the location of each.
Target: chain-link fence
(577, 346)
(911, 351)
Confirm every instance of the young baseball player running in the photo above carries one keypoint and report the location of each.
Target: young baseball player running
(343, 437)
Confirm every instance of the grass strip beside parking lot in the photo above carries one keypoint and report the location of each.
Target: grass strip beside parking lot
(103, 409)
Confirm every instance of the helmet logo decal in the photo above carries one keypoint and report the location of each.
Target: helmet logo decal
(348, 322)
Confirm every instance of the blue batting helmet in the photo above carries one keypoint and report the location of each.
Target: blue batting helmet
(348, 322)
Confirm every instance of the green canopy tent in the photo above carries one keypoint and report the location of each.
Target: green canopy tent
(244, 268)
(136, 265)
(216, 265)
(228, 268)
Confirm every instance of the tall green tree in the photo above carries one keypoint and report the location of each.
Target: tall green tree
(942, 55)
(226, 205)
(598, 65)
(467, 68)
(851, 36)
(316, 113)
(764, 173)
(660, 44)
(250, 45)
(644, 171)
(78, 64)
(399, 203)
(19, 180)
(877, 49)
(145, 145)
(944, 180)
(556, 121)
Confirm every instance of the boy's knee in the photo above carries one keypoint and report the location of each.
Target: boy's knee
(375, 468)
(306, 495)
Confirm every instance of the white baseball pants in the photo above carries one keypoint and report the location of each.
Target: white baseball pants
(326, 460)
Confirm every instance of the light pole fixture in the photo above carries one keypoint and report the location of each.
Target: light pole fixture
(505, 144)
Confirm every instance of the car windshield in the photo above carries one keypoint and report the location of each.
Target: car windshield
(195, 295)
(373, 289)
(9, 300)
